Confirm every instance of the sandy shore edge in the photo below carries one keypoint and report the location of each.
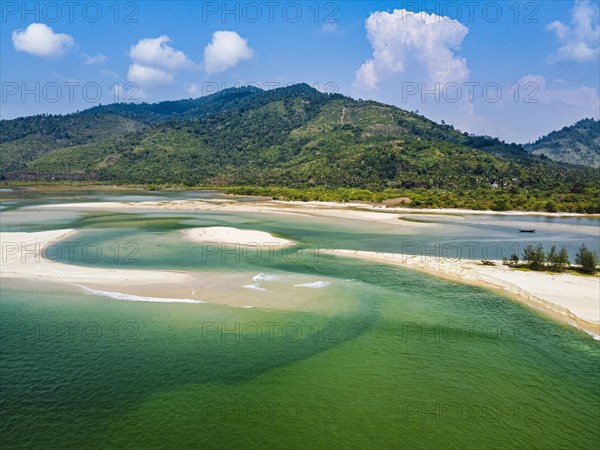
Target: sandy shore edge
(230, 235)
(22, 255)
(357, 210)
(26, 256)
(571, 299)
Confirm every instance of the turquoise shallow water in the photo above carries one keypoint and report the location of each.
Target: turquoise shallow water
(394, 359)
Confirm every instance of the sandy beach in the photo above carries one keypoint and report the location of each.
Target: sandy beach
(355, 212)
(570, 298)
(30, 256)
(329, 209)
(228, 235)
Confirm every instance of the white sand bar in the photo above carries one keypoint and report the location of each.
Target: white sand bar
(228, 235)
(22, 255)
(571, 296)
(28, 256)
(363, 213)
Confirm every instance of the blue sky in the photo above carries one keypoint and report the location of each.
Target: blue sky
(516, 70)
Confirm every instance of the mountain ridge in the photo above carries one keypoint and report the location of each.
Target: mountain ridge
(576, 144)
(295, 137)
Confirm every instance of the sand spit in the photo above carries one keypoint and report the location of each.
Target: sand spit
(228, 235)
(33, 255)
(572, 299)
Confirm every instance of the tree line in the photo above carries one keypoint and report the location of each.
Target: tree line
(535, 258)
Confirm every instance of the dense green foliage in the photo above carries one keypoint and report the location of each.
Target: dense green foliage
(534, 258)
(319, 146)
(558, 260)
(577, 144)
(587, 259)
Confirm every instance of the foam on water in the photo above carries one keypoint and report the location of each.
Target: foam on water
(254, 287)
(315, 285)
(137, 298)
(265, 277)
(593, 335)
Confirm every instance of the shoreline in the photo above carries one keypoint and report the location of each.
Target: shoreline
(19, 261)
(349, 205)
(350, 211)
(23, 258)
(570, 299)
(235, 236)
(433, 211)
(313, 205)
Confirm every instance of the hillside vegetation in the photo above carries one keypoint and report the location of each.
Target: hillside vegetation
(293, 142)
(577, 144)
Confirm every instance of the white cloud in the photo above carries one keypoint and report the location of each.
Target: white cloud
(562, 93)
(192, 89)
(226, 50)
(367, 75)
(580, 42)
(428, 39)
(541, 106)
(156, 52)
(154, 62)
(98, 58)
(144, 75)
(40, 40)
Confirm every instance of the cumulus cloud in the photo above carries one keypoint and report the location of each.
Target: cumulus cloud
(418, 50)
(156, 52)
(192, 89)
(145, 75)
(428, 39)
(579, 42)
(40, 40)
(154, 61)
(226, 50)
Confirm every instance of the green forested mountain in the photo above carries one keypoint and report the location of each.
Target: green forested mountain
(293, 137)
(577, 144)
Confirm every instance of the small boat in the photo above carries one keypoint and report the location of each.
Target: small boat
(527, 230)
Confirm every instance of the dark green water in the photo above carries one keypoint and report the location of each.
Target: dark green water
(395, 359)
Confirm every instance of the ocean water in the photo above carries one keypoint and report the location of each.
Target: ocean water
(370, 356)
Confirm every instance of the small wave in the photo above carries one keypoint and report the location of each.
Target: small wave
(137, 298)
(265, 277)
(593, 335)
(315, 285)
(254, 287)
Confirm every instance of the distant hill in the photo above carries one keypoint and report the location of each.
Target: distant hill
(293, 137)
(577, 144)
